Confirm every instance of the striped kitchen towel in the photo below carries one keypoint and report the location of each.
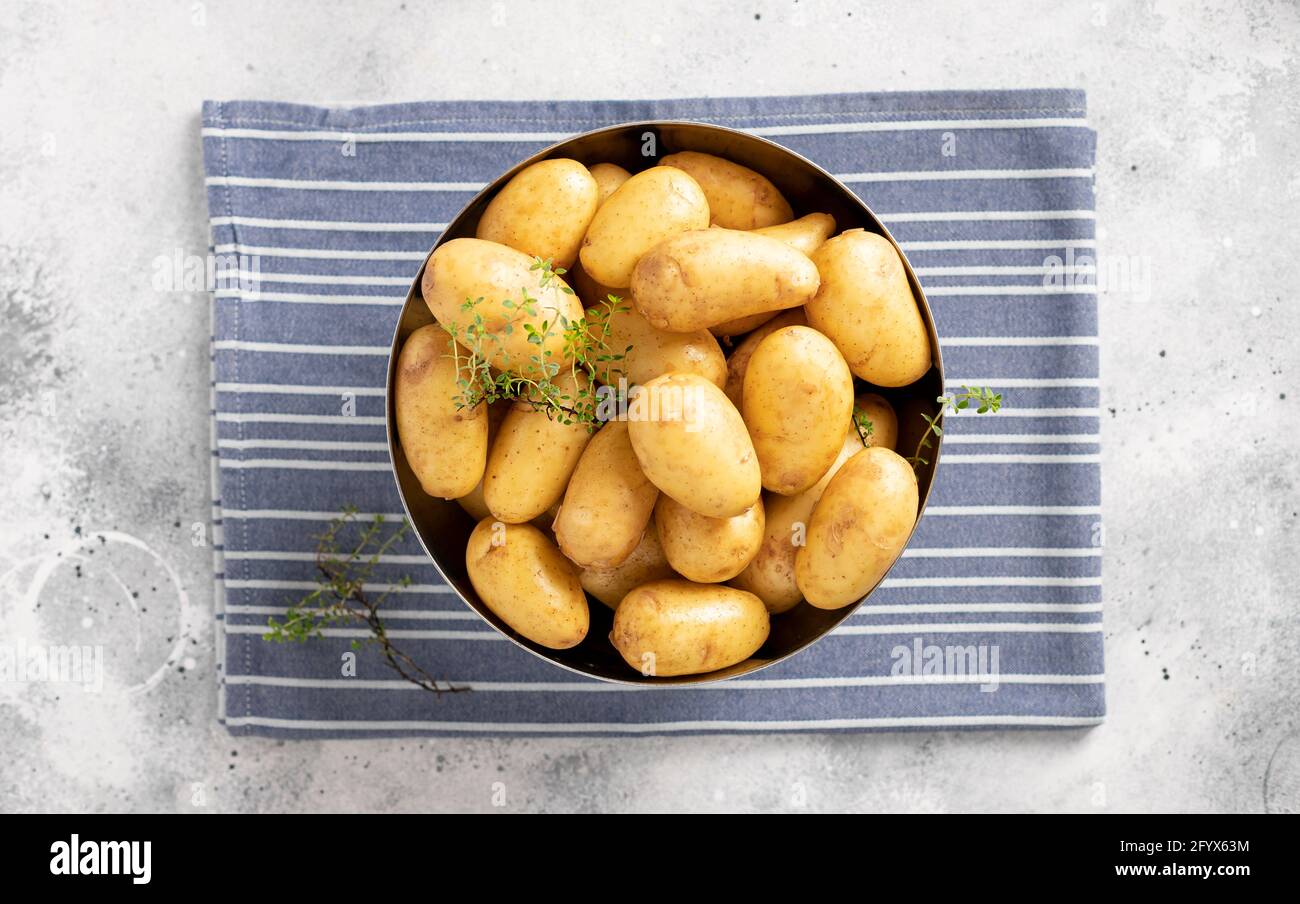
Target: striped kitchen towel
(992, 619)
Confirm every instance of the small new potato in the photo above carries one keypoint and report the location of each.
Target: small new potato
(708, 550)
(646, 563)
(858, 528)
(738, 362)
(445, 446)
(706, 277)
(742, 325)
(675, 627)
(884, 420)
(646, 209)
(739, 198)
(805, 234)
(770, 576)
(473, 502)
(479, 269)
(532, 457)
(655, 351)
(608, 503)
(865, 306)
(521, 576)
(544, 211)
(798, 403)
(609, 177)
(692, 444)
(592, 293)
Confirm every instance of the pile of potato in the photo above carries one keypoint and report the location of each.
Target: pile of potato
(748, 489)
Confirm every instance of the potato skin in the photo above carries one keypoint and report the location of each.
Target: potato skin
(473, 502)
(609, 177)
(473, 269)
(446, 447)
(646, 563)
(884, 420)
(708, 550)
(739, 198)
(675, 627)
(858, 528)
(532, 458)
(805, 234)
(544, 211)
(530, 586)
(798, 404)
(865, 306)
(742, 325)
(706, 277)
(591, 292)
(655, 351)
(692, 444)
(608, 503)
(738, 362)
(770, 576)
(646, 209)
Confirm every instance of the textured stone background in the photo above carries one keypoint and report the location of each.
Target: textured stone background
(104, 383)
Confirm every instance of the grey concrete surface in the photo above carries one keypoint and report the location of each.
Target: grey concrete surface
(104, 383)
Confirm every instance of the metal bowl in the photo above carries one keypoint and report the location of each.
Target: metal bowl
(444, 527)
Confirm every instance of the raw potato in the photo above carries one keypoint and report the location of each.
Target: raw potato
(655, 352)
(742, 325)
(473, 268)
(473, 502)
(647, 563)
(544, 211)
(738, 363)
(865, 306)
(770, 576)
(858, 529)
(708, 550)
(805, 234)
(739, 198)
(884, 421)
(608, 503)
(646, 209)
(591, 292)
(446, 447)
(532, 458)
(707, 277)
(608, 176)
(798, 404)
(674, 627)
(692, 445)
(521, 576)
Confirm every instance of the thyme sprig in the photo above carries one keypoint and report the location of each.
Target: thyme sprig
(537, 379)
(986, 400)
(341, 596)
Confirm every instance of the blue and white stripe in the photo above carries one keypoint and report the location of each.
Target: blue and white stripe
(1006, 556)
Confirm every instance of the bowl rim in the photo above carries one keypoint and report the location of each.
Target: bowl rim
(415, 295)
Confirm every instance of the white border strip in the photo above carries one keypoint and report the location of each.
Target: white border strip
(732, 684)
(828, 128)
(637, 728)
(325, 225)
(976, 628)
(860, 177)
